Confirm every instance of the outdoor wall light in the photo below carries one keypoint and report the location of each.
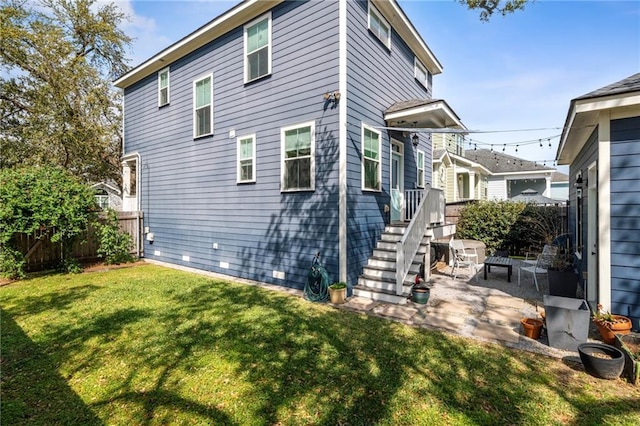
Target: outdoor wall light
(579, 182)
(415, 140)
(332, 97)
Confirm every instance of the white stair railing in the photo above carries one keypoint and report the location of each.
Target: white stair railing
(429, 209)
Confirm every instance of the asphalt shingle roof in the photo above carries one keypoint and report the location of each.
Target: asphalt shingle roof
(629, 84)
(498, 162)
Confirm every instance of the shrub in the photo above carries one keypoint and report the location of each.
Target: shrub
(45, 199)
(114, 244)
(490, 222)
(509, 225)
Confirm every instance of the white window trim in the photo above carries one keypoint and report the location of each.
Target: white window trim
(373, 10)
(365, 127)
(418, 169)
(270, 46)
(162, 71)
(283, 130)
(253, 159)
(418, 66)
(195, 136)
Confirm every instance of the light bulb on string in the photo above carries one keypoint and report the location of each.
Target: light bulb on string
(540, 140)
(549, 143)
(517, 148)
(491, 147)
(503, 147)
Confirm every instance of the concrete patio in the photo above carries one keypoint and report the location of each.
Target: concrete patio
(488, 310)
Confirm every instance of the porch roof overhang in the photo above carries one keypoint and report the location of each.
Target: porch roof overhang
(422, 114)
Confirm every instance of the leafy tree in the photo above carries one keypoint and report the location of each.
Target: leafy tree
(57, 105)
(489, 7)
(42, 201)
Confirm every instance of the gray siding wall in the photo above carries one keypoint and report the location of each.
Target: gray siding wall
(587, 156)
(188, 186)
(625, 218)
(377, 78)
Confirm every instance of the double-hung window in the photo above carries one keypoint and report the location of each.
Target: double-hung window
(257, 47)
(203, 106)
(163, 87)
(420, 164)
(371, 159)
(247, 159)
(298, 157)
(379, 26)
(421, 73)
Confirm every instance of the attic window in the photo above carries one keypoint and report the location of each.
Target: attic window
(421, 73)
(163, 87)
(379, 26)
(257, 46)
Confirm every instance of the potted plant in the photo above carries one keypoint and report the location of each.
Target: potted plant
(338, 292)
(609, 325)
(562, 274)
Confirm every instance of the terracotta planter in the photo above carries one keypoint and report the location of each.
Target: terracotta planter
(338, 296)
(609, 330)
(532, 327)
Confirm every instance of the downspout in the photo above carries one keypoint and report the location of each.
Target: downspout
(342, 139)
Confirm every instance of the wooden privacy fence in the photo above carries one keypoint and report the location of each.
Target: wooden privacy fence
(41, 253)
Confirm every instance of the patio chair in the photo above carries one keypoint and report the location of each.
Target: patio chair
(541, 266)
(531, 258)
(462, 257)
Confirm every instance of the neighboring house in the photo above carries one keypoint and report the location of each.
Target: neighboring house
(601, 145)
(483, 174)
(269, 134)
(559, 186)
(108, 196)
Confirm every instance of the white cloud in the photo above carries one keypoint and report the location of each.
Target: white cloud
(147, 37)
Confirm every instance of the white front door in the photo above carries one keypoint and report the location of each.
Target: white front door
(397, 183)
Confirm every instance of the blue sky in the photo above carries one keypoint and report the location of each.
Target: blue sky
(511, 73)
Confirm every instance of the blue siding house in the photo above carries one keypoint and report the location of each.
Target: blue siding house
(601, 145)
(281, 129)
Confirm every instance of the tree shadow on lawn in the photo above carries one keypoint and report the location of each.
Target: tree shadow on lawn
(231, 354)
(33, 392)
(353, 369)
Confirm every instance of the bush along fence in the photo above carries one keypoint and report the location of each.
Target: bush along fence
(513, 227)
(40, 253)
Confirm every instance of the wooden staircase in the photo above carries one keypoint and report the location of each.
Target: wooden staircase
(378, 279)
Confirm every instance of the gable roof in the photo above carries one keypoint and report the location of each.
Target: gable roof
(584, 112)
(498, 162)
(250, 9)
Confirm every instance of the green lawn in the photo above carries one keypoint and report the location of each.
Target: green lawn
(151, 345)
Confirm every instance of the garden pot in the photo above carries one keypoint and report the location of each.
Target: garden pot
(608, 330)
(338, 296)
(420, 295)
(562, 283)
(629, 344)
(532, 327)
(600, 360)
